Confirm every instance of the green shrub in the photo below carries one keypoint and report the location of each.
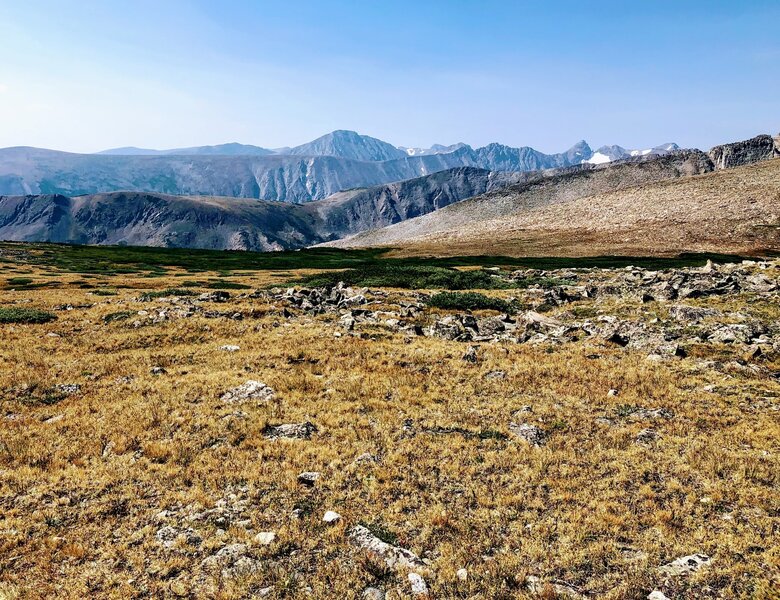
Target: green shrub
(118, 316)
(104, 292)
(467, 301)
(19, 281)
(226, 285)
(409, 277)
(25, 315)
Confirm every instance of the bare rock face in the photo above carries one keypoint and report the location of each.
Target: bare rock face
(777, 145)
(759, 148)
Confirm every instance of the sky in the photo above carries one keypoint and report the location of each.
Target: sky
(95, 74)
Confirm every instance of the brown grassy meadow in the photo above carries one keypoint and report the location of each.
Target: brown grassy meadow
(84, 478)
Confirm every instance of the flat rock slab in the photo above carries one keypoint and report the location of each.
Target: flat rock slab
(299, 431)
(685, 565)
(395, 557)
(250, 390)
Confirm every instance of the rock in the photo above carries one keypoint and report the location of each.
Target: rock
(231, 561)
(372, 593)
(656, 595)
(462, 575)
(393, 556)
(365, 458)
(448, 329)
(229, 348)
(495, 375)
(331, 517)
(217, 296)
(169, 536)
(471, 354)
(68, 389)
(685, 565)
(650, 414)
(646, 436)
(264, 538)
(347, 322)
(559, 590)
(490, 326)
(54, 419)
(157, 371)
(612, 393)
(251, 390)
(308, 478)
(530, 433)
(691, 314)
(726, 156)
(419, 587)
(300, 431)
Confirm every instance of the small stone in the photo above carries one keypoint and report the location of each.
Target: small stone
(229, 348)
(54, 419)
(372, 593)
(395, 557)
(419, 587)
(331, 517)
(157, 371)
(264, 538)
(471, 355)
(530, 433)
(308, 478)
(365, 458)
(612, 393)
(656, 595)
(495, 375)
(647, 436)
(685, 565)
(462, 575)
(300, 431)
(249, 390)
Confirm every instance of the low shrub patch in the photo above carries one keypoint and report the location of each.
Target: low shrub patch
(118, 316)
(467, 301)
(25, 315)
(409, 277)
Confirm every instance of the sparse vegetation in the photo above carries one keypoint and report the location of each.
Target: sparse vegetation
(25, 315)
(467, 301)
(395, 275)
(148, 444)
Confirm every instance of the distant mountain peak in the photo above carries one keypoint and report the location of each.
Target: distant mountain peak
(344, 143)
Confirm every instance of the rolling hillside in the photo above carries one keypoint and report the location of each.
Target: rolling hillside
(732, 210)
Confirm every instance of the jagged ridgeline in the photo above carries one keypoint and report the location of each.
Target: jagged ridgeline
(485, 200)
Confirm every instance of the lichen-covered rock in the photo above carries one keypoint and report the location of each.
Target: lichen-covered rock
(393, 556)
(300, 431)
(685, 565)
(529, 433)
(250, 390)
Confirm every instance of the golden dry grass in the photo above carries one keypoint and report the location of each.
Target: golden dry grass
(79, 496)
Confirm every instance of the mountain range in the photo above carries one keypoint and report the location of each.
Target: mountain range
(464, 208)
(337, 161)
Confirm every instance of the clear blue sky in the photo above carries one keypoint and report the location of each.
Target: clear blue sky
(92, 74)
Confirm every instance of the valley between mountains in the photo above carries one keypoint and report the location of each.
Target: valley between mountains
(662, 200)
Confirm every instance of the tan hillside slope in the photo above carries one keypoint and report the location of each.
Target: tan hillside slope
(734, 210)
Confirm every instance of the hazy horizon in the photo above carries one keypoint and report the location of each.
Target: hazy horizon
(104, 75)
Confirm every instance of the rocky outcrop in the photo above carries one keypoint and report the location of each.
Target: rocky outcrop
(726, 156)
